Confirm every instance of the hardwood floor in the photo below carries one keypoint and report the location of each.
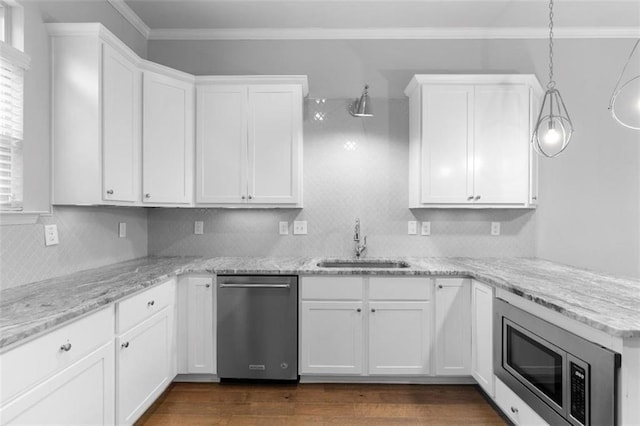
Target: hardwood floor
(320, 404)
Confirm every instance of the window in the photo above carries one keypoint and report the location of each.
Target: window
(13, 64)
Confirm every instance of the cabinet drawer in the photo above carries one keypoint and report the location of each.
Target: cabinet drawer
(332, 288)
(36, 360)
(400, 288)
(143, 305)
(515, 408)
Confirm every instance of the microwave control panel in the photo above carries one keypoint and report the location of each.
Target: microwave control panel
(578, 393)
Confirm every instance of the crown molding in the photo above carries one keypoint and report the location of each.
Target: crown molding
(131, 16)
(459, 33)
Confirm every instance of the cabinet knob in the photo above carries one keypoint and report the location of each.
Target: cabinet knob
(439, 285)
(147, 195)
(358, 310)
(110, 191)
(514, 410)
(469, 198)
(534, 198)
(373, 310)
(124, 345)
(151, 303)
(207, 285)
(477, 197)
(243, 197)
(251, 197)
(66, 347)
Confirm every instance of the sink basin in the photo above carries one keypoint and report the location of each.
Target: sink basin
(363, 263)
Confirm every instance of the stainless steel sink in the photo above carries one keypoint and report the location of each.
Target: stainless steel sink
(363, 263)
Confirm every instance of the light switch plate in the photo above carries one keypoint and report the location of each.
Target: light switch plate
(412, 227)
(426, 228)
(495, 228)
(198, 227)
(122, 229)
(50, 235)
(299, 227)
(283, 228)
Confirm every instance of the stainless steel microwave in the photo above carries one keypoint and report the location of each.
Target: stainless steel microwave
(566, 379)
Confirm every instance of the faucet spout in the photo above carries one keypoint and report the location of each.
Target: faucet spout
(359, 247)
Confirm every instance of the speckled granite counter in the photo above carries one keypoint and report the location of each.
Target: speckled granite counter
(607, 303)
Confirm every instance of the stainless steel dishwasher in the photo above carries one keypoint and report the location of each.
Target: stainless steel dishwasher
(257, 327)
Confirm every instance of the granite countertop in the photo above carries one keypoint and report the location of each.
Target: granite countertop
(604, 302)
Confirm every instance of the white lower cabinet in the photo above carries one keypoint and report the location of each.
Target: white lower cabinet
(482, 336)
(386, 332)
(331, 337)
(200, 330)
(145, 360)
(453, 327)
(63, 377)
(81, 394)
(515, 408)
(399, 337)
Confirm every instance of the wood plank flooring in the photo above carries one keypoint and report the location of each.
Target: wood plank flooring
(320, 404)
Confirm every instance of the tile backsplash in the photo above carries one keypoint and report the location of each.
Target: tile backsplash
(88, 238)
(353, 167)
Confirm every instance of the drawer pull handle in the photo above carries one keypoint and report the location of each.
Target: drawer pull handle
(373, 310)
(124, 345)
(514, 410)
(470, 198)
(358, 310)
(66, 347)
(476, 198)
(439, 285)
(151, 303)
(110, 191)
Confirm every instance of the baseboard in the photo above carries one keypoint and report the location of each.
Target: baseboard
(453, 380)
(197, 378)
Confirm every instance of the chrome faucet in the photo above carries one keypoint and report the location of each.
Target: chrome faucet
(360, 248)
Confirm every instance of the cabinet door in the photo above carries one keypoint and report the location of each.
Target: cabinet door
(275, 143)
(120, 127)
(167, 142)
(482, 335)
(453, 327)
(144, 365)
(501, 144)
(447, 132)
(200, 327)
(81, 394)
(399, 337)
(331, 337)
(221, 144)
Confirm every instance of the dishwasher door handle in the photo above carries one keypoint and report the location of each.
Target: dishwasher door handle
(251, 285)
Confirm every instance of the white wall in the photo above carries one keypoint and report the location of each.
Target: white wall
(594, 182)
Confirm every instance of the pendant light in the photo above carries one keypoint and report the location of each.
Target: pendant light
(362, 107)
(553, 129)
(625, 99)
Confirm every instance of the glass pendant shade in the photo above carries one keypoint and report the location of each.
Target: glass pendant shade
(553, 129)
(362, 107)
(625, 100)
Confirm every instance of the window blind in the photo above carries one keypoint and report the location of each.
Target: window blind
(11, 134)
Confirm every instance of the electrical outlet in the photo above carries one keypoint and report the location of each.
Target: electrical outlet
(50, 235)
(299, 227)
(283, 228)
(122, 229)
(198, 227)
(426, 228)
(412, 227)
(495, 228)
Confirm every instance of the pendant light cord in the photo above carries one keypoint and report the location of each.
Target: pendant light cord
(551, 83)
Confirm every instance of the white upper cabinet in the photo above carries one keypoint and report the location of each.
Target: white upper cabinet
(96, 117)
(469, 141)
(167, 137)
(249, 141)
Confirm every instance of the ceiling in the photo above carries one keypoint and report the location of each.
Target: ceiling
(366, 18)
